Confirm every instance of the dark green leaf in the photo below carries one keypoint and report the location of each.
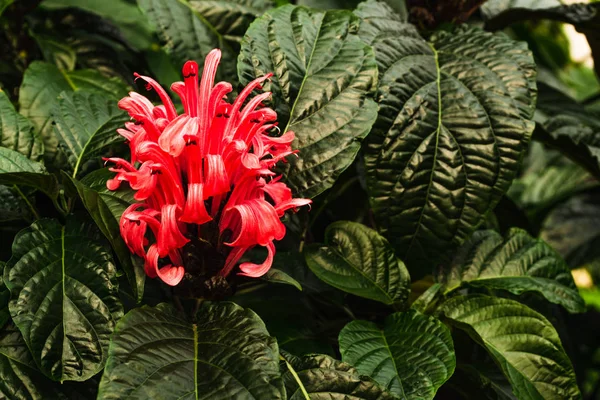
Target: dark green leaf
(323, 79)
(43, 82)
(412, 356)
(521, 341)
(573, 229)
(56, 51)
(227, 354)
(105, 207)
(567, 126)
(499, 8)
(85, 125)
(326, 378)
(4, 298)
(453, 124)
(17, 132)
(479, 381)
(517, 263)
(16, 169)
(191, 29)
(277, 276)
(357, 260)
(126, 16)
(64, 297)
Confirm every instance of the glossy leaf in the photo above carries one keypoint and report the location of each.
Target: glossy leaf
(412, 356)
(324, 76)
(517, 263)
(275, 275)
(16, 169)
(521, 341)
(453, 124)
(17, 132)
(63, 297)
(324, 377)
(105, 207)
(86, 125)
(573, 229)
(156, 354)
(43, 82)
(357, 260)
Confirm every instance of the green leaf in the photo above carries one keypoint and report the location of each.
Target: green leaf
(106, 207)
(56, 51)
(227, 354)
(324, 76)
(16, 169)
(43, 82)
(567, 126)
(521, 341)
(453, 124)
(412, 356)
(326, 378)
(17, 132)
(4, 298)
(357, 260)
(277, 276)
(4, 4)
(126, 16)
(189, 30)
(86, 124)
(517, 263)
(500, 8)
(64, 297)
(573, 229)
(481, 381)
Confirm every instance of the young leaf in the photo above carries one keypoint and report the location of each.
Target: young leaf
(453, 124)
(357, 260)
(275, 275)
(17, 132)
(412, 356)
(517, 263)
(86, 124)
(16, 169)
(64, 297)
(43, 82)
(521, 341)
(324, 76)
(227, 354)
(327, 378)
(106, 207)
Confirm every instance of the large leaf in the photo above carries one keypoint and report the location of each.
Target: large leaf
(324, 378)
(189, 30)
(358, 260)
(495, 8)
(454, 121)
(323, 79)
(106, 207)
(17, 132)
(521, 341)
(86, 125)
(412, 356)
(16, 169)
(126, 16)
(64, 297)
(156, 354)
(573, 229)
(43, 82)
(517, 263)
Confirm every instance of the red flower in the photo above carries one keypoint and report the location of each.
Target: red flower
(212, 163)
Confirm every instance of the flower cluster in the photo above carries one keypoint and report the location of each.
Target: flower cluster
(211, 164)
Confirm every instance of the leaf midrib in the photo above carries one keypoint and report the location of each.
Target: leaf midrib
(308, 64)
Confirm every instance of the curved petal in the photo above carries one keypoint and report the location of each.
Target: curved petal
(257, 270)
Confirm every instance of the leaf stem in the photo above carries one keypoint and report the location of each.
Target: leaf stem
(296, 377)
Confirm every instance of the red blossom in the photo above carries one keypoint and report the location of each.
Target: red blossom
(213, 163)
